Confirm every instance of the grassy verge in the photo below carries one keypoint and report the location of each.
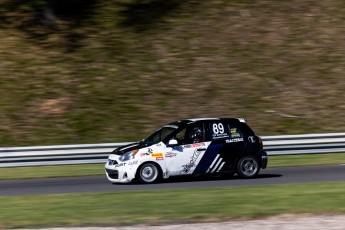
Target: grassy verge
(307, 160)
(170, 206)
(51, 171)
(98, 169)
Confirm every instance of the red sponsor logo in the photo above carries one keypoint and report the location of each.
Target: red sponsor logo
(197, 145)
(159, 158)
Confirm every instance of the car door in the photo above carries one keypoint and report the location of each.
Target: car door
(226, 143)
(183, 158)
(234, 146)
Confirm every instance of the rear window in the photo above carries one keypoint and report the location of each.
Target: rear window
(235, 132)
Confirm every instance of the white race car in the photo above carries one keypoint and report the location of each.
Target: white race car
(204, 146)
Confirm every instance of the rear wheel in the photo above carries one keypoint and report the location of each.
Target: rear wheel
(148, 173)
(248, 167)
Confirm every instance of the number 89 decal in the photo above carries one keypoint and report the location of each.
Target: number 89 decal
(218, 128)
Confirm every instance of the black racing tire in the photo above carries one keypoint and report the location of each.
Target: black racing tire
(149, 173)
(248, 167)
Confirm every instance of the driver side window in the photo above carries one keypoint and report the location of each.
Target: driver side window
(190, 135)
(195, 134)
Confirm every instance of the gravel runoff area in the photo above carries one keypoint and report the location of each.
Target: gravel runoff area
(282, 222)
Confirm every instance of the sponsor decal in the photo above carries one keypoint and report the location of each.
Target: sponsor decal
(186, 168)
(170, 154)
(219, 136)
(159, 158)
(157, 154)
(194, 145)
(234, 133)
(120, 165)
(251, 139)
(234, 140)
(133, 162)
(149, 151)
(198, 145)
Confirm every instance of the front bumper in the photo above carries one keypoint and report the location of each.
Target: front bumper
(119, 173)
(117, 176)
(112, 174)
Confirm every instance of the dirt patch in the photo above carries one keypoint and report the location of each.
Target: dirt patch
(283, 222)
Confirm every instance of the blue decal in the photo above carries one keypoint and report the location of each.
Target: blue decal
(177, 148)
(207, 159)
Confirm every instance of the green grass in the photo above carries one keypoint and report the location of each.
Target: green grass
(98, 169)
(170, 206)
(51, 171)
(307, 160)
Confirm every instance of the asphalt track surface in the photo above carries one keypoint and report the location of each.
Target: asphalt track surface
(288, 175)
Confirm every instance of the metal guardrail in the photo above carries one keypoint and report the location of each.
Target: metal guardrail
(98, 153)
(304, 144)
(56, 155)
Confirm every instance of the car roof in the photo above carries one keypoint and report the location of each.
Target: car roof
(190, 120)
(217, 119)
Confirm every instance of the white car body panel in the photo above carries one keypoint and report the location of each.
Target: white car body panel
(173, 161)
(182, 160)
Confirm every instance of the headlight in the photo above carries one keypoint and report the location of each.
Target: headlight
(112, 162)
(128, 155)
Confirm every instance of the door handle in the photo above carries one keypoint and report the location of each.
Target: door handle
(201, 149)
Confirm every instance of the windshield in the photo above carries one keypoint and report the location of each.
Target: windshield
(159, 135)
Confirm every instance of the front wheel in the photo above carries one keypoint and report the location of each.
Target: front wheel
(148, 173)
(248, 167)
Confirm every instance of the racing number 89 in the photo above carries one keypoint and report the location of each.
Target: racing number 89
(218, 128)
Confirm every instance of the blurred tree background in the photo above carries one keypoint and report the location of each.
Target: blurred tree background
(94, 71)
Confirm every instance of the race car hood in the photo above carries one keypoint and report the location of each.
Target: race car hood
(126, 148)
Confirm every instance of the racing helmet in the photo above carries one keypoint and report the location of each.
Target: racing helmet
(196, 135)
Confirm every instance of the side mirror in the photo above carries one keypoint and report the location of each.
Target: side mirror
(173, 142)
